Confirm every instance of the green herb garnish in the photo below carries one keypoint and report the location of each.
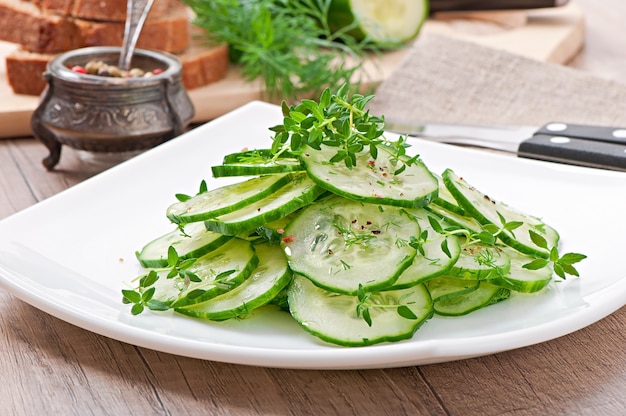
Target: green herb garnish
(288, 45)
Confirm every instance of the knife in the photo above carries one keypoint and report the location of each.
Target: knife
(468, 5)
(575, 144)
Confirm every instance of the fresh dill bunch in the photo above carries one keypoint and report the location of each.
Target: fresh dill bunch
(287, 44)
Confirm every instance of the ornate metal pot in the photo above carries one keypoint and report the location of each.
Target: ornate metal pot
(105, 114)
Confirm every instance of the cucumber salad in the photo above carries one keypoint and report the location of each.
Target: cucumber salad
(344, 229)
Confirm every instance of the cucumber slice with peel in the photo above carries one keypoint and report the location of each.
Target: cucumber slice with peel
(438, 255)
(219, 271)
(520, 279)
(194, 242)
(386, 23)
(256, 162)
(342, 245)
(374, 181)
(478, 262)
(225, 199)
(444, 287)
(333, 317)
(301, 191)
(268, 280)
(488, 211)
(484, 295)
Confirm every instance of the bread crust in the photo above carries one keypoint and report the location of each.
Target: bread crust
(203, 65)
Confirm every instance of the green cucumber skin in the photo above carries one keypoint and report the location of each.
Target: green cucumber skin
(329, 307)
(256, 162)
(179, 213)
(240, 169)
(264, 154)
(451, 179)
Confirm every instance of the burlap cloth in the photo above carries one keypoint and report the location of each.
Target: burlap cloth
(450, 80)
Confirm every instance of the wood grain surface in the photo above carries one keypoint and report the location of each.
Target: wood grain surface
(54, 368)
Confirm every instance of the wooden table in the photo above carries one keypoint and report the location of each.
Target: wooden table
(51, 367)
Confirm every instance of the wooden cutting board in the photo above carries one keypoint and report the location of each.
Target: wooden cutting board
(550, 35)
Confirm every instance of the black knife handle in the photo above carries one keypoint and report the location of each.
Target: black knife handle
(589, 132)
(468, 5)
(574, 151)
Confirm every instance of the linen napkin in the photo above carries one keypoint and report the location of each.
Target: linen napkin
(450, 80)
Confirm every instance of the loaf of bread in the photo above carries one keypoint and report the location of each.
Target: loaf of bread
(24, 23)
(203, 64)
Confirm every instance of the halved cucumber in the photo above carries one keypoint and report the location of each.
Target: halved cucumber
(219, 271)
(195, 242)
(271, 276)
(333, 318)
(387, 23)
(485, 210)
(226, 199)
(342, 244)
(301, 191)
(372, 181)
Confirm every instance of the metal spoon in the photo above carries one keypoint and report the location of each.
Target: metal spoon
(136, 14)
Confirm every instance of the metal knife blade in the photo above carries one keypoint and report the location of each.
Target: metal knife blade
(576, 144)
(470, 5)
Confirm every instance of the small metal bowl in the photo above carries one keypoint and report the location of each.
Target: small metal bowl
(102, 114)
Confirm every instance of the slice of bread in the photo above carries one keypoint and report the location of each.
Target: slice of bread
(104, 10)
(22, 22)
(203, 64)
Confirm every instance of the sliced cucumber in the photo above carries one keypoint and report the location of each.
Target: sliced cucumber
(256, 162)
(219, 271)
(520, 279)
(444, 287)
(226, 199)
(270, 278)
(333, 317)
(386, 23)
(453, 217)
(374, 181)
(486, 294)
(437, 255)
(195, 242)
(256, 156)
(486, 211)
(301, 191)
(478, 262)
(341, 244)
(445, 199)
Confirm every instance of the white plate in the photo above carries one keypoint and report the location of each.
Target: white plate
(70, 255)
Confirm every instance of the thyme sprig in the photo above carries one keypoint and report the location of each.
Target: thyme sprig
(341, 121)
(562, 265)
(141, 297)
(369, 301)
